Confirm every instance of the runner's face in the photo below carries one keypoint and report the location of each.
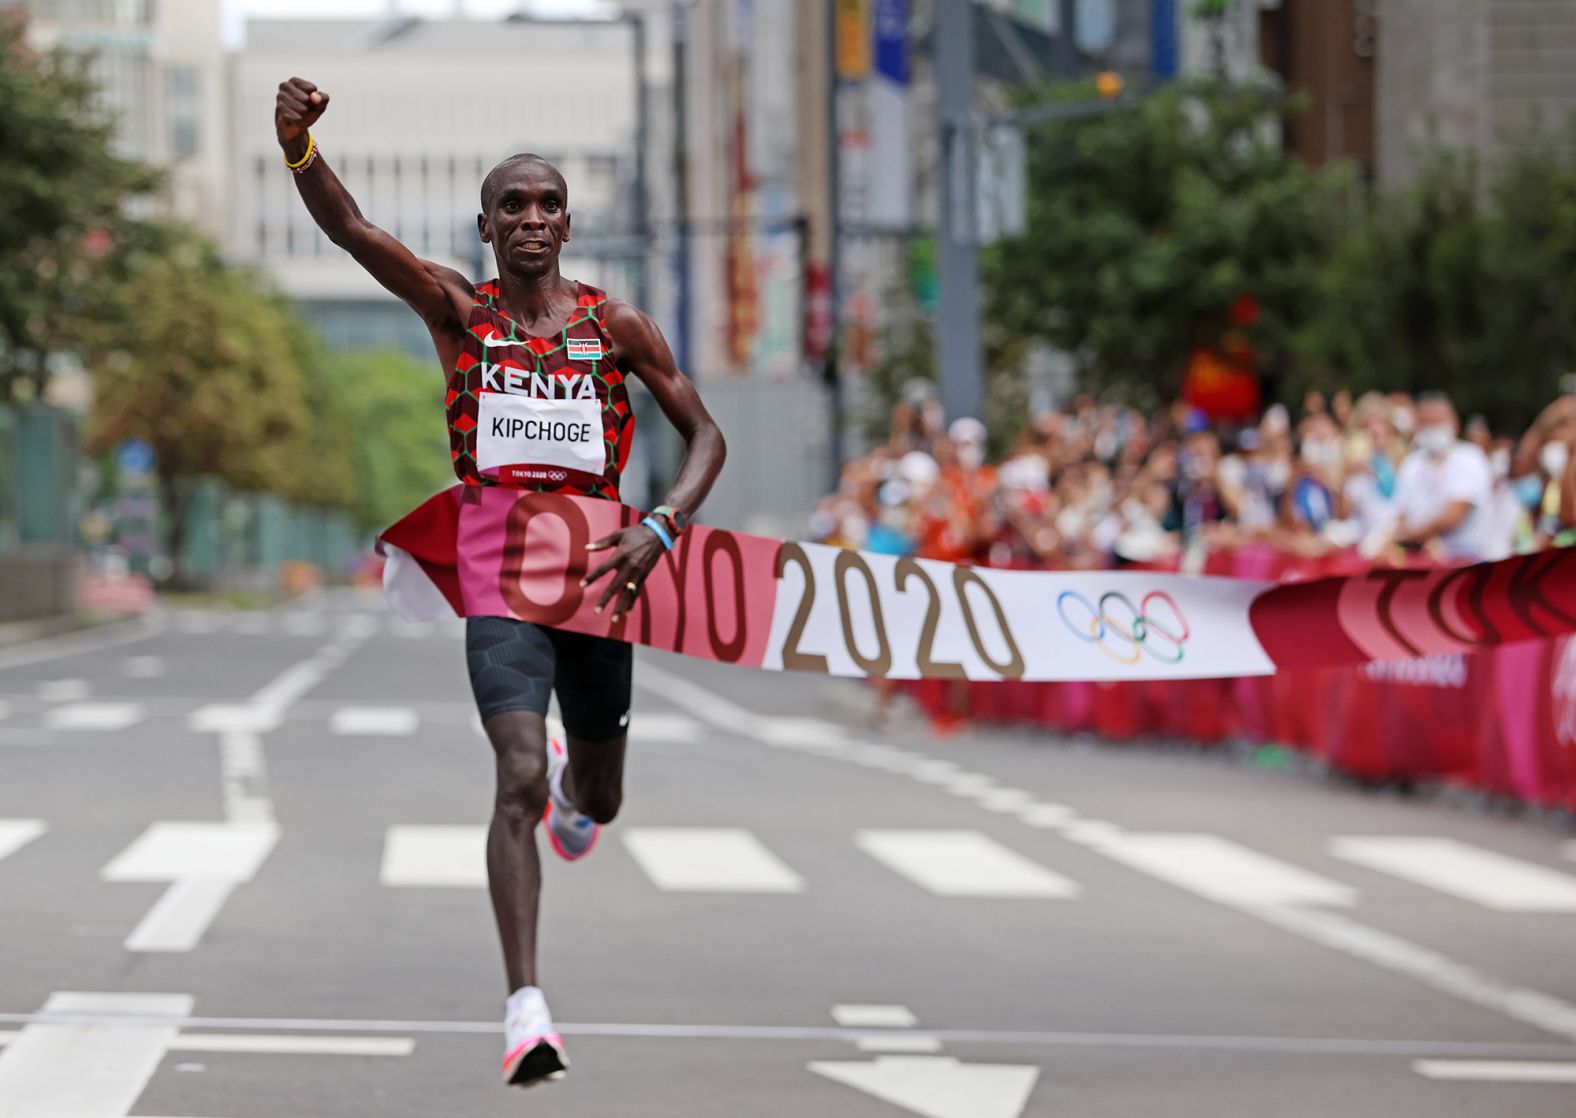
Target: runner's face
(527, 219)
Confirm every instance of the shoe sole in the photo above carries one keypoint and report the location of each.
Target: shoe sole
(544, 1062)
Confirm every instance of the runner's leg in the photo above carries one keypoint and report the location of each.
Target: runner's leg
(512, 665)
(514, 871)
(593, 681)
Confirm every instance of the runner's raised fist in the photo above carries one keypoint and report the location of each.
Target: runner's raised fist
(297, 108)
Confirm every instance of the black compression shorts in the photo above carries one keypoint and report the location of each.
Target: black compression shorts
(516, 665)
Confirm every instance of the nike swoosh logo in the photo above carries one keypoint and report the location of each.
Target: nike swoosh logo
(495, 343)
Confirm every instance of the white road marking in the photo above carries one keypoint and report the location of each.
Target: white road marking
(874, 1016)
(89, 640)
(144, 667)
(709, 860)
(435, 857)
(1090, 832)
(1046, 816)
(1436, 971)
(263, 1044)
(87, 1071)
(180, 916)
(1005, 801)
(963, 864)
(776, 1034)
(1224, 871)
(1497, 1071)
(914, 1044)
(291, 684)
(243, 778)
(17, 833)
(1484, 877)
(374, 721)
(938, 1087)
(203, 862)
(969, 785)
(64, 690)
(935, 772)
(95, 716)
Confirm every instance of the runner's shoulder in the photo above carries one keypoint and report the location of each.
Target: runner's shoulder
(461, 294)
(633, 331)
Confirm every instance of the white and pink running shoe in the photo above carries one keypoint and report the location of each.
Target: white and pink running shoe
(571, 833)
(532, 1051)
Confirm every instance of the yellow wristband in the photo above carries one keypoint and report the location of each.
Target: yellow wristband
(311, 147)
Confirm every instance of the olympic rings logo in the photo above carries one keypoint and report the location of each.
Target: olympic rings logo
(557, 475)
(1135, 629)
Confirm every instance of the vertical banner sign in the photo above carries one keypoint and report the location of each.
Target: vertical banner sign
(478, 551)
(743, 311)
(891, 183)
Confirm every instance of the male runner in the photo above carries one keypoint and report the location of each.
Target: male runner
(536, 400)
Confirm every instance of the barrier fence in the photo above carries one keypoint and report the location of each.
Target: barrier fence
(1502, 721)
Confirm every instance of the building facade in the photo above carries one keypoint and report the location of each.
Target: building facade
(160, 70)
(1472, 74)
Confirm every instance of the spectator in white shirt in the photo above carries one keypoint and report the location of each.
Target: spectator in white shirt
(1444, 488)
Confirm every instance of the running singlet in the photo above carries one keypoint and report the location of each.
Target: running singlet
(546, 414)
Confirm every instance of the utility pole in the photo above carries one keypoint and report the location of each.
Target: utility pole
(957, 258)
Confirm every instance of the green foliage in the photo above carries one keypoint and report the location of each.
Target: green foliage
(61, 197)
(1458, 286)
(398, 442)
(1147, 223)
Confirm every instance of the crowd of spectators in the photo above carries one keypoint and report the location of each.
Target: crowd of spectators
(1095, 485)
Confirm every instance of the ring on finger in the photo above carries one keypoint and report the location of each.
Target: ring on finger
(632, 587)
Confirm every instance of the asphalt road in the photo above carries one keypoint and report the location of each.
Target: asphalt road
(240, 877)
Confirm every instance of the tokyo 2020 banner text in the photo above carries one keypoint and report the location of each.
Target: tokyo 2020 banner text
(740, 599)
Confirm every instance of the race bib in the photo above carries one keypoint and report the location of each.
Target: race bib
(524, 431)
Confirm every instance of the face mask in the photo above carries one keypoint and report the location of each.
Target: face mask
(1322, 452)
(1500, 462)
(1402, 421)
(1554, 457)
(971, 456)
(1529, 491)
(1435, 439)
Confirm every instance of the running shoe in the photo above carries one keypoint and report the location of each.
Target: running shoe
(532, 1051)
(572, 833)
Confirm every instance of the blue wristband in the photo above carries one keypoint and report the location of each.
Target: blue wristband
(662, 533)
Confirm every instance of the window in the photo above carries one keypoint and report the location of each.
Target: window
(182, 86)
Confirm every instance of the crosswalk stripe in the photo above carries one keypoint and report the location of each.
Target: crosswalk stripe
(1222, 870)
(1497, 1071)
(709, 860)
(874, 1016)
(17, 833)
(435, 857)
(95, 716)
(963, 864)
(62, 1071)
(64, 690)
(378, 721)
(1484, 877)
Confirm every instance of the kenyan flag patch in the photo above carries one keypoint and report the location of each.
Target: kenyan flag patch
(585, 349)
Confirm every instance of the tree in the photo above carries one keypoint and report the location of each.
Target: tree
(204, 364)
(62, 193)
(1464, 282)
(396, 433)
(1146, 226)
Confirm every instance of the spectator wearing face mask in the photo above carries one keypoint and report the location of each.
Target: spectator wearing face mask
(1444, 487)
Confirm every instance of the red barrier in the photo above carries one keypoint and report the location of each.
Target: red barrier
(1503, 720)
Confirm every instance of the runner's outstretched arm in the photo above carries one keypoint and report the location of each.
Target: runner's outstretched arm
(440, 295)
(643, 352)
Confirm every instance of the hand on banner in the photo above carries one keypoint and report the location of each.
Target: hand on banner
(638, 550)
